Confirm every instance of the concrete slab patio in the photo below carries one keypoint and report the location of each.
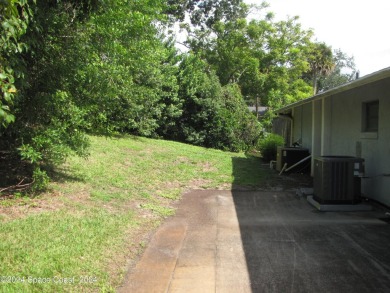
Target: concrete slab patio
(263, 241)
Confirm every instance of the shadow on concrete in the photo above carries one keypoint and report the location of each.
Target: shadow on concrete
(289, 246)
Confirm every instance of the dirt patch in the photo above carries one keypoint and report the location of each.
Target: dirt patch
(207, 167)
(170, 185)
(198, 184)
(16, 208)
(181, 160)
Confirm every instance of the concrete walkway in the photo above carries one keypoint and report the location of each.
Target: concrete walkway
(223, 241)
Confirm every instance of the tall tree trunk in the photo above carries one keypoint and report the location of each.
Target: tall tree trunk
(315, 81)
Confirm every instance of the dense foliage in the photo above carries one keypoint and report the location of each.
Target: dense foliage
(268, 146)
(14, 19)
(69, 68)
(213, 115)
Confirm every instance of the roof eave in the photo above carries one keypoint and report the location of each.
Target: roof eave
(375, 76)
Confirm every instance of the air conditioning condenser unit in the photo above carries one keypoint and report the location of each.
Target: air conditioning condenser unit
(337, 179)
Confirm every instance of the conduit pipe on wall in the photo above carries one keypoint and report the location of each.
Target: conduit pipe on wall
(296, 164)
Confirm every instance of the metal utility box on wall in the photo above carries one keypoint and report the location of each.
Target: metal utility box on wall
(290, 155)
(336, 179)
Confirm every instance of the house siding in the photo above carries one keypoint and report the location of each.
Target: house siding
(348, 138)
(302, 117)
(332, 125)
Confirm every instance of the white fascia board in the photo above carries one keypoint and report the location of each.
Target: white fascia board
(378, 75)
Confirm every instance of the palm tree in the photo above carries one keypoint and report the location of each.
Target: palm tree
(321, 63)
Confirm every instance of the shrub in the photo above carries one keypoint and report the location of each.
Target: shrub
(213, 116)
(234, 128)
(267, 146)
(40, 180)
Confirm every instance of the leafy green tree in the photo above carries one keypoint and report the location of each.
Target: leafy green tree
(14, 18)
(213, 115)
(265, 58)
(129, 84)
(284, 62)
(199, 91)
(236, 129)
(204, 14)
(48, 122)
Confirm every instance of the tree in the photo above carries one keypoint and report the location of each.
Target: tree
(321, 63)
(284, 62)
(343, 72)
(213, 115)
(266, 59)
(86, 74)
(204, 14)
(14, 18)
(128, 85)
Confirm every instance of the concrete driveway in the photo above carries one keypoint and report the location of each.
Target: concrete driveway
(256, 241)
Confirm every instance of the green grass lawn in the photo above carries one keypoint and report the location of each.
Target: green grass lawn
(83, 233)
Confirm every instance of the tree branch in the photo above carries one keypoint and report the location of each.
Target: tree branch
(183, 44)
(18, 186)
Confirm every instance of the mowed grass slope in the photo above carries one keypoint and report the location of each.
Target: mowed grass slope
(87, 229)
